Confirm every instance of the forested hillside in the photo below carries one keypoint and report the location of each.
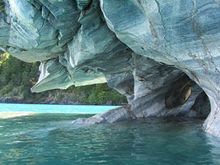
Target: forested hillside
(17, 77)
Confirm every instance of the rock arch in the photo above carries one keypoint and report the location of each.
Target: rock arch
(139, 48)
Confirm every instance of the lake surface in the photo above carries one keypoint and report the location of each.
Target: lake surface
(51, 139)
(51, 108)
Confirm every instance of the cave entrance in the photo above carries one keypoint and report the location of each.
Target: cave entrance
(181, 90)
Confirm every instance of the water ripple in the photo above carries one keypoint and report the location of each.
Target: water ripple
(51, 139)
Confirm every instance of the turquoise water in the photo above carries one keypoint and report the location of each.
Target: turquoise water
(51, 139)
(45, 108)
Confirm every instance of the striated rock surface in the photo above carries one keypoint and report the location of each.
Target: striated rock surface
(160, 54)
(112, 116)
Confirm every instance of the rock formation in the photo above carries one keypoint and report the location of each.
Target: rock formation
(160, 54)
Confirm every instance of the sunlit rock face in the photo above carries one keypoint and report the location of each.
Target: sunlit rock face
(160, 54)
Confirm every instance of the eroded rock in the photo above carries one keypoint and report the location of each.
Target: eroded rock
(112, 116)
(140, 48)
(179, 92)
(181, 33)
(201, 107)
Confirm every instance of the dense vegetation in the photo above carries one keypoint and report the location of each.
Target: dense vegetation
(2, 6)
(17, 77)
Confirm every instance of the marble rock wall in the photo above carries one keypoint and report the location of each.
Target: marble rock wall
(160, 54)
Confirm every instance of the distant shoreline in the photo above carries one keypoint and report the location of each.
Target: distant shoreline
(51, 102)
(22, 101)
(8, 115)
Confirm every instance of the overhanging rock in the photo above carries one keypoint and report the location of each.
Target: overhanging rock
(141, 48)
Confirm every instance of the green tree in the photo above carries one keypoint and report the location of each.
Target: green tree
(17, 77)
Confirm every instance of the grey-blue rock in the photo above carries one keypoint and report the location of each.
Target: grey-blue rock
(141, 48)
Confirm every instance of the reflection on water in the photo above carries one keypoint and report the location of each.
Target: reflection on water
(51, 139)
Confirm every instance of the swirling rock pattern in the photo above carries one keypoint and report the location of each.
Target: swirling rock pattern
(139, 47)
